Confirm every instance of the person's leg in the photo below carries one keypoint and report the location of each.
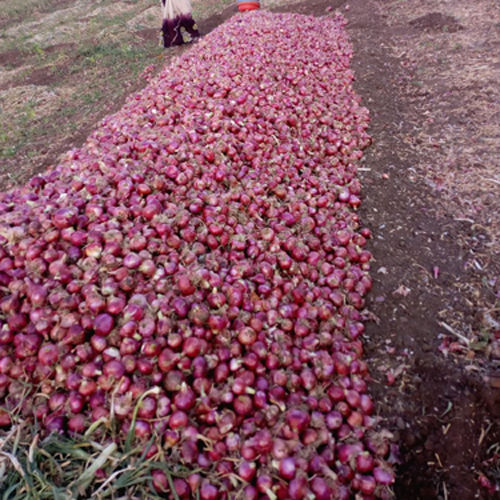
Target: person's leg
(171, 32)
(187, 22)
(187, 25)
(171, 26)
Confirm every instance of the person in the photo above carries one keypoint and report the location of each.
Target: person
(178, 24)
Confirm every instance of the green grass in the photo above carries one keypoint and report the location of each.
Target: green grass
(25, 8)
(94, 465)
(59, 467)
(105, 66)
(112, 53)
(8, 151)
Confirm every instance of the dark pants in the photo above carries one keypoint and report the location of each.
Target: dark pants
(173, 28)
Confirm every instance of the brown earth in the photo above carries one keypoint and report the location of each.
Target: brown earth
(441, 407)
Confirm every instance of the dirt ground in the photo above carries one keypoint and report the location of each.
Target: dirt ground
(432, 199)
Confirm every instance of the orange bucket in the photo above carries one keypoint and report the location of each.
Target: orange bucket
(244, 6)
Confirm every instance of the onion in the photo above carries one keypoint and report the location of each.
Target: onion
(48, 354)
(103, 324)
(160, 481)
(185, 398)
(297, 488)
(298, 419)
(192, 347)
(287, 467)
(364, 462)
(178, 419)
(208, 491)
(77, 424)
(243, 405)
(250, 492)
(247, 470)
(185, 285)
(197, 271)
(383, 475)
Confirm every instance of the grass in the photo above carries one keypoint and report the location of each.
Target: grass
(24, 8)
(7, 151)
(59, 467)
(99, 464)
(94, 73)
(204, 8)
(111, 59)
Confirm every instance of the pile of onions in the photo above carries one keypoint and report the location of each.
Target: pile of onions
(196, 271)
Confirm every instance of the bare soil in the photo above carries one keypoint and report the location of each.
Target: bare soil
(433, 331)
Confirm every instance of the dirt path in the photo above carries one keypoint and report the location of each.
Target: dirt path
(440, 407)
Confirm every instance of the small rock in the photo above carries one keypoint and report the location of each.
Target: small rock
(495, 349)
(494, 380)
(429, 444)
(409, 439)
(402, 290)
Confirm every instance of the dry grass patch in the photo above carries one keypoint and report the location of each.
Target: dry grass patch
(451, 60)
(454, 80)
(63, 67)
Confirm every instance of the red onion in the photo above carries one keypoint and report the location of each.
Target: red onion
(243, 405)
(287, 467)
(197, 271)
(383, 475)
(178, 419)
(298, 419)
(77, 424)
(160, 481)
(48, 354)
(297, 488)
(250, 492)
(103, 324)
(364, 462)
(208, 491)
(247, 470)
(367, 485)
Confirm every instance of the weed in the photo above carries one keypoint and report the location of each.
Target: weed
(15, 9)
(8, 151)
(61, 467)
(92, 97)
(28, 113)
(37, 50)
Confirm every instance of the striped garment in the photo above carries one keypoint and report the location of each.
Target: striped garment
(178, 24)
